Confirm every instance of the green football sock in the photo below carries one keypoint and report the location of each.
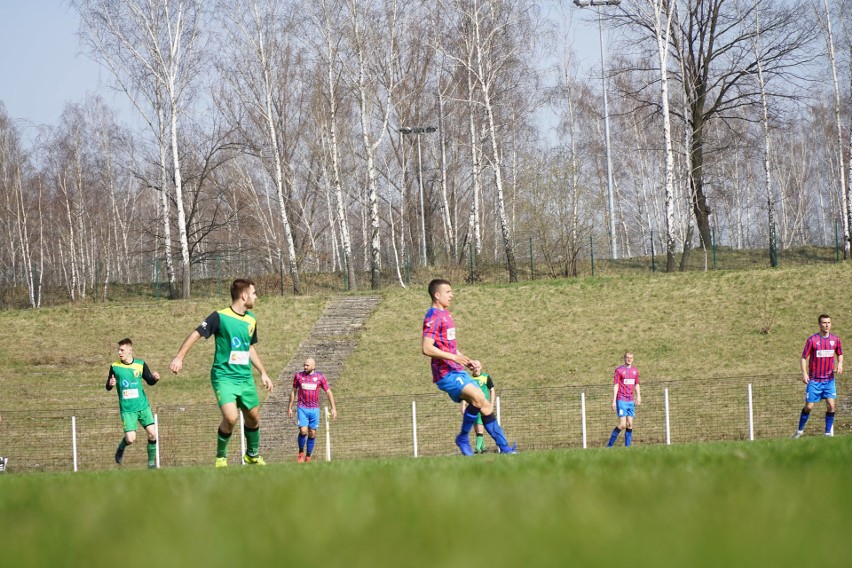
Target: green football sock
(122, 444)
(252, 441)
(152, 452)
(480, 442)
(222, 444)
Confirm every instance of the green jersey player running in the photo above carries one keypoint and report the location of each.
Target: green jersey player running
(127, 375)
(235, 330)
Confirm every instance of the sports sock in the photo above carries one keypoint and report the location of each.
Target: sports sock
(495, 431)
(301, 439)
(829, 422)
(469, 419)
(311, 442)
(803, 419)
(252, 441)
(122, 444)
(613, 437)
(628, 437)
(222, 444)
(480, 442)
(152, 452)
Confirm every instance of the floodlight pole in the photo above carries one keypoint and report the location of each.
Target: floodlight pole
(418, 130)
(609, 190)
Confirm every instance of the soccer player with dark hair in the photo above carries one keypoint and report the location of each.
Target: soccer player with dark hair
(235, 330)
(818, 374)
(127, 374)
(306, 385)
(625, 396)
(448, 369)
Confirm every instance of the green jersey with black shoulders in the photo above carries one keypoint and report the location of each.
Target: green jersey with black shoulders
(128, 383)
(483, 381)
(234, 334)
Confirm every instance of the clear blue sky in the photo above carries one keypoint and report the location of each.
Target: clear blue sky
(42, 67)
(41, 64)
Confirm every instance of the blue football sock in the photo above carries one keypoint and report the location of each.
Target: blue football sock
(628, 437)
(468, 419)
(495, 431)
(311, 442)
(613, 437)
(302, 438)
(803, 419)
(829, 422)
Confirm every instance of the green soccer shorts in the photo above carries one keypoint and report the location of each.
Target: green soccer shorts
(244, 393)
(132, 419)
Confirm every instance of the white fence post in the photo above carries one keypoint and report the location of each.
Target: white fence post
(157, 433)
(242, 439)
(668, 423)
(497, 408)
(74, 439)
(750, 415)
(414, 424)
(327, 436)
(583, 415)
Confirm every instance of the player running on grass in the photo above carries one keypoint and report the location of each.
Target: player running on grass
(448, 369)
(625, 382)
(306, 385)
(127, 374)
(235, 330)
(818, 373)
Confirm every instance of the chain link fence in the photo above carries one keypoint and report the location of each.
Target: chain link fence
(700, 410)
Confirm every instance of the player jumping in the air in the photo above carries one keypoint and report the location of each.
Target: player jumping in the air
(448, 369)
(818, 373)
(625, 382)
(127, 375)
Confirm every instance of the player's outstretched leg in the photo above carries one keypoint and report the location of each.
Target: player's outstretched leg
(495, 431)
(119, 452)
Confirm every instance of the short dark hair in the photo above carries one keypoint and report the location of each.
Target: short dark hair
(239, 286)
(434, 284)
(125, 341)
(823, 317)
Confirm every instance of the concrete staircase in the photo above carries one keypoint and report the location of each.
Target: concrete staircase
(333, 338)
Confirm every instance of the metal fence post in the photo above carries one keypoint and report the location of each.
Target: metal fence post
(414, 424)
(750, 415)
(668, 423)
(327, 436)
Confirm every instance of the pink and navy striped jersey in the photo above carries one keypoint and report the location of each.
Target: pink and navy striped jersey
(821, 351)
(439, 325)
(309, 385)
(627, 378)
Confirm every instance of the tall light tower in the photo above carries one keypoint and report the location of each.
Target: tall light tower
(418, 130)
(610, 198)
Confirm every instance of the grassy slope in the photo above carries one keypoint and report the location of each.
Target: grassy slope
(733, 504)
(59, 357)
(560, 332)
(549, 332)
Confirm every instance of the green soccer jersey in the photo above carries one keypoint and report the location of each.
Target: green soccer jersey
(483, 381)
(128, 382)
(235, 334)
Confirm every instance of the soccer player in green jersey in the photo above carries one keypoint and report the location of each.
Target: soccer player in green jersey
(235, 330)
(484, 382)
(127, 374)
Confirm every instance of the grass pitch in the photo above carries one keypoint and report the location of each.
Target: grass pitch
(770, 503)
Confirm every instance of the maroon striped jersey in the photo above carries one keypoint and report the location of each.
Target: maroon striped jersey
(820, 352)
(439, 325)
(626, 378)
(309, 385)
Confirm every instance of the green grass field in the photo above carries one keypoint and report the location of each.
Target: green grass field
(771, 503)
